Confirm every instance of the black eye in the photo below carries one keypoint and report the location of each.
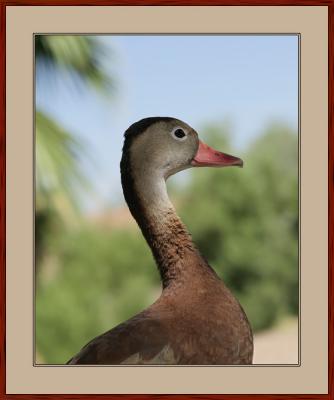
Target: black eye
(179, 133)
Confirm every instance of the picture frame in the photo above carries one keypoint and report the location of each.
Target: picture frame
(7, 230)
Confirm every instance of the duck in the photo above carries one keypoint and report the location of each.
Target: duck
(196, 320)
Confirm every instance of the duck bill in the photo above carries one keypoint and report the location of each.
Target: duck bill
(206, 156)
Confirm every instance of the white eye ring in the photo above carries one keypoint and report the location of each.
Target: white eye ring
(175, 134)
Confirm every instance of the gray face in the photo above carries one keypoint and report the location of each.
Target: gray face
(164, 148)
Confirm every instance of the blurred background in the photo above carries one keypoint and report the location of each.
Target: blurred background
(240, 92)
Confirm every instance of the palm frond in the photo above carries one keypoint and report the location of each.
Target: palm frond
(80, 57)
(58, 173)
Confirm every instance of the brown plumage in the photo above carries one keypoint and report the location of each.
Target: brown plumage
(196, 320)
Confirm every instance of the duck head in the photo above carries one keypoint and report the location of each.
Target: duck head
(168, 145)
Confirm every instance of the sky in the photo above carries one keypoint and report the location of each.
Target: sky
(247, 80)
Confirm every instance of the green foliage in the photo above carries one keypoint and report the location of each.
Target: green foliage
(59, 180)
(95, 280)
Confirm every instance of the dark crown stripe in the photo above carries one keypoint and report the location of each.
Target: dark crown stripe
(140, 126)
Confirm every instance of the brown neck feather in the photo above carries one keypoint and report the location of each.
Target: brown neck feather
(178, 259)
(176, 255)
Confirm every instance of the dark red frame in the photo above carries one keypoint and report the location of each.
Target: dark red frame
(3, 4)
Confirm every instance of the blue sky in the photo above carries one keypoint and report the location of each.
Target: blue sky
(248, 80)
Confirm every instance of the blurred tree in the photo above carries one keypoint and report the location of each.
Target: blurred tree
(58, 152)
(104, 277)
(246, 223)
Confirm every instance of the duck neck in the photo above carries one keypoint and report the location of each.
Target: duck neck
(176, 255)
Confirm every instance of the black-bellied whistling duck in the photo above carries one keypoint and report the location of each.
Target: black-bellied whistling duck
(196, 320)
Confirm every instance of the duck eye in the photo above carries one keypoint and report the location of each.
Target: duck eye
(179, 134)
